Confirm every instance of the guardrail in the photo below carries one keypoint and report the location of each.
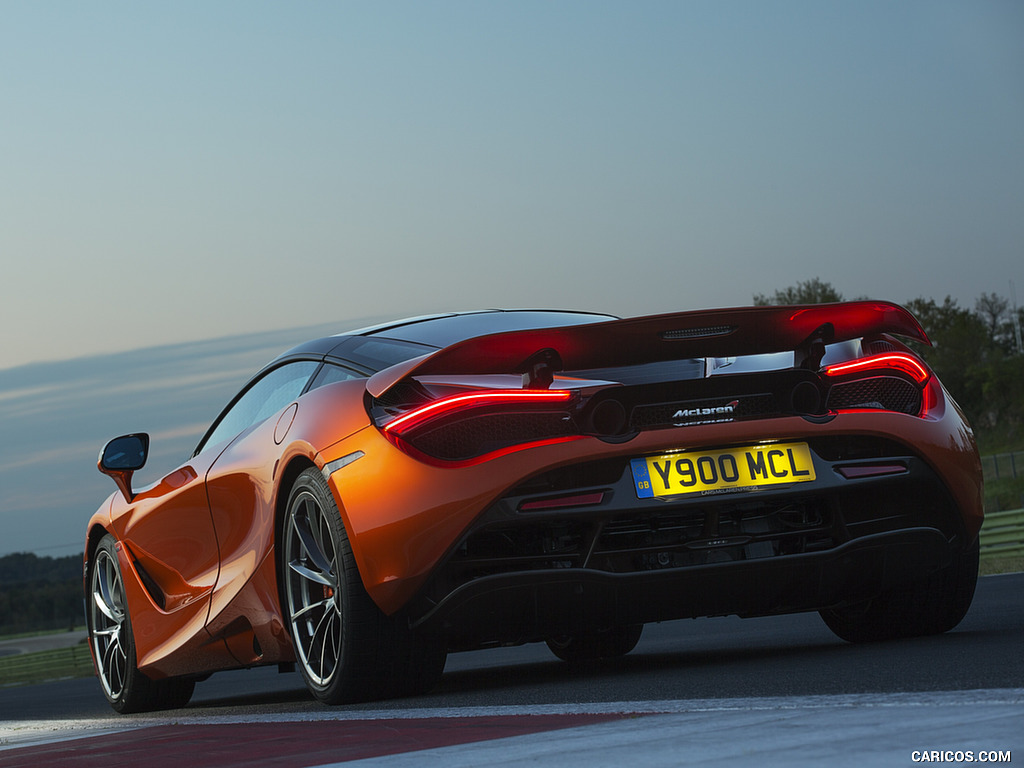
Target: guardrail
(1001, 472)
(1002, 535)
(73, 661)
(1001, 465)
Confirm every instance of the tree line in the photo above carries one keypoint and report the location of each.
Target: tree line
(40, 593)
(975, 352)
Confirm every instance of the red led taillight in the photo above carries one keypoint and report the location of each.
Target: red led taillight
(886, 362)
(464, 402)
(476, 426)
(890, 381)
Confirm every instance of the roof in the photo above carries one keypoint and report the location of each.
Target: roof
(425, 334)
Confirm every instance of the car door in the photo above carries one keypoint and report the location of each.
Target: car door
(167, 532)
(240, 487)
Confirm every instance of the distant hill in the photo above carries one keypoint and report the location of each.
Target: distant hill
(26, 568)
(40, 593)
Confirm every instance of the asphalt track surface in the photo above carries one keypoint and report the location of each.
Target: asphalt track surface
(769, 691)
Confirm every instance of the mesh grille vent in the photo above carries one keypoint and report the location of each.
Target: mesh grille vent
(476, 436)
(884, 392)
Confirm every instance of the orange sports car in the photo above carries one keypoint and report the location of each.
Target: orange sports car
(370, 502)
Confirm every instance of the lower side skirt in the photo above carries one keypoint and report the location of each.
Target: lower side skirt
(534, 605)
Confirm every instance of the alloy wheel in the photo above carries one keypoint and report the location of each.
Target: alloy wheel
(107, 624)
(313, 587)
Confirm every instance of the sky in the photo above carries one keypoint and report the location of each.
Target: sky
(56, 416)
(183, 171)
(177, 177)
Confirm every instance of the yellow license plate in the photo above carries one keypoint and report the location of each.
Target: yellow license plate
(749, 467)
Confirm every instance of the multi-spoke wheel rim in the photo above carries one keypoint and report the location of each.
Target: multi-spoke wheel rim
(107, 624)
(313, 587)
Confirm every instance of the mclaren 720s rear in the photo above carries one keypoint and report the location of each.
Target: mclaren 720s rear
(372, 501)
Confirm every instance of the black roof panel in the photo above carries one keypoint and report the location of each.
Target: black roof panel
(449, 329)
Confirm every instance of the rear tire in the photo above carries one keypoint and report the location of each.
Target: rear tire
(346, 648)
(590, 646)
(929, 607)
(113, 644)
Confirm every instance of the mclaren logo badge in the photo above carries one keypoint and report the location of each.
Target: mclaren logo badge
(705, 415)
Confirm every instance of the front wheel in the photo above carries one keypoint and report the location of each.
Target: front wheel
(347, 649)
(113, 645)
(929, 607)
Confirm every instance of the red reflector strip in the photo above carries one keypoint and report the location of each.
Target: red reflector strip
(898, 361)
(871, 470)
(445, 405)
(580, 500)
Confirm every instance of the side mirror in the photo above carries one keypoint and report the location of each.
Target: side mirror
(121, 457)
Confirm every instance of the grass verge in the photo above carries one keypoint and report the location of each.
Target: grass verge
(993, 565)
(1004, 493)
(60, 663)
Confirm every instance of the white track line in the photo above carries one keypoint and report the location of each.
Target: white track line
(15, 733)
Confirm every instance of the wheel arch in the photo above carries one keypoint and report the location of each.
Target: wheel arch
(93, 537)
(92, 540)
(295, 467)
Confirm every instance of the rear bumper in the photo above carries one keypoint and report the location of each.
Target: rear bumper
(407, 519)
(529, 606)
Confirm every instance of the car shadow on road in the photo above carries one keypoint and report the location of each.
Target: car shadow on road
(698, 668)
(945, 662)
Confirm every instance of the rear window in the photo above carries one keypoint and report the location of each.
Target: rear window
(377, 353)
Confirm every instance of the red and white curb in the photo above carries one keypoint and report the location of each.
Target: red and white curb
(857, 729)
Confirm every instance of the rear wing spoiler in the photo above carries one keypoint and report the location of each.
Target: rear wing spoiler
(537, 354)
